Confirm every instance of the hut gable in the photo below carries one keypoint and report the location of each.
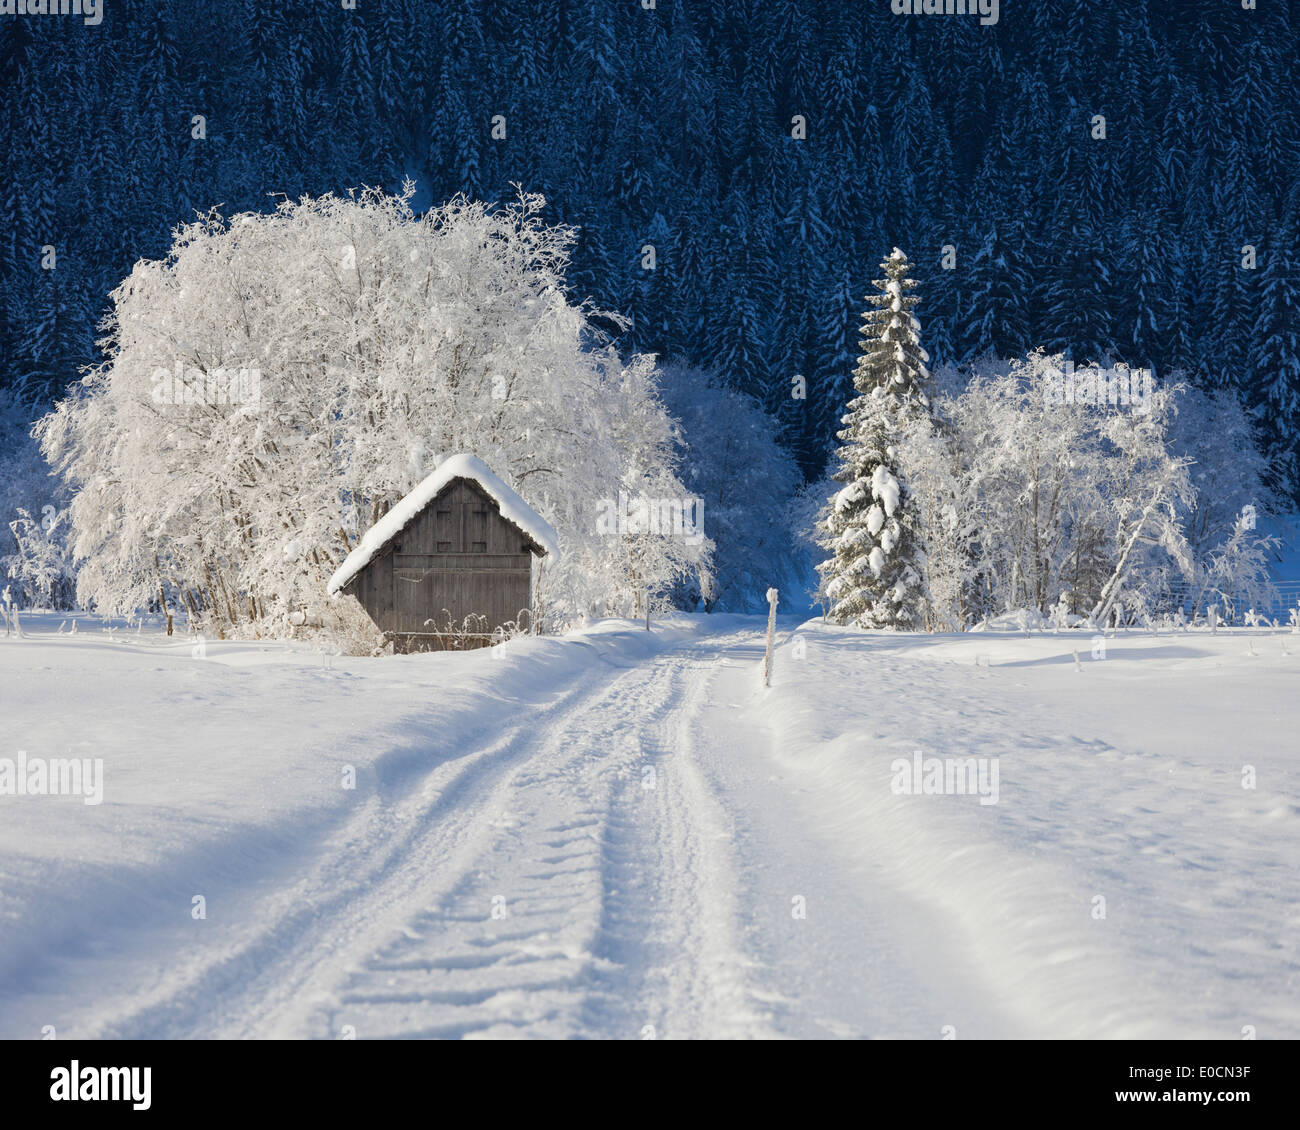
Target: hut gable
(507, 503)
(457, 550)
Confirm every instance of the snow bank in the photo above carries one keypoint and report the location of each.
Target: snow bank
(1135, 877)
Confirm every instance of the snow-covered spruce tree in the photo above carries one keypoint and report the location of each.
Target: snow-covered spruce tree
(874, 576)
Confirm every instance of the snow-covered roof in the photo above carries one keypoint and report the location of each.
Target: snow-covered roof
(513, 509)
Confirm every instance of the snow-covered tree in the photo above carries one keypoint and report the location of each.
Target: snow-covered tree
(1034, 496)
(39, 567)
(732, 462)
(1234, 575)
(1229, 470)
(942, 502)
(34, 558)
(875, 574)
(653, 525)
(366, 345)
(1234, 504)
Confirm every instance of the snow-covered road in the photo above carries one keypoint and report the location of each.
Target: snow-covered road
(620, 834)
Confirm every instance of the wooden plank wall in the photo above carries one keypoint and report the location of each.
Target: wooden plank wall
(456, 558)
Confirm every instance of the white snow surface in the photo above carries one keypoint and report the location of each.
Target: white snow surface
(619, 833)
(513, 509)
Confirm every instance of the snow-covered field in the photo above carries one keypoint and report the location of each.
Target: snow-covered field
(621, 834)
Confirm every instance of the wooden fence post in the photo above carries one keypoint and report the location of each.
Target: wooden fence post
(771, 630)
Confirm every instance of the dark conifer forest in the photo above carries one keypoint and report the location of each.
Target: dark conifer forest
(762, 155)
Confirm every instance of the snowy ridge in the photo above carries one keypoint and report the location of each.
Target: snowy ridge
(513, 509)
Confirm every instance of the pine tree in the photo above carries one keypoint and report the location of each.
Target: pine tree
(1275, 388)
(873, 576)
(994, 317)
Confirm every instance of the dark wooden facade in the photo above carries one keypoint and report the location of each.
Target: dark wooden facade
(457, 560)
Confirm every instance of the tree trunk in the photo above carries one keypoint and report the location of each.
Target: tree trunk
(162, 594)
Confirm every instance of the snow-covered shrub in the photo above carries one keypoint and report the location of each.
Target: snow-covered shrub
(344, 626)
(39, 567)
(34, 558)
(366, 345)
(745, 480)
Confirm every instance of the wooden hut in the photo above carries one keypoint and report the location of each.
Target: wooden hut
(450, 563)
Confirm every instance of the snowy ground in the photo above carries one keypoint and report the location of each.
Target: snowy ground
(614, 835)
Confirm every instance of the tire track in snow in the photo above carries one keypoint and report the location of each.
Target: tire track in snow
(375, 867)
(671, 929)
(573, 950)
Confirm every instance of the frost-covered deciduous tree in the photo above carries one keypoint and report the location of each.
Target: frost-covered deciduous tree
(1234, 575)
(1074, 508)
(874, 576)
(655, 529)
(366, 345)
(1056, 503)
(745, 480)
(944, 507)
(39, 566)
(1235, 498)
(1143, 493)
(1228, 467)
